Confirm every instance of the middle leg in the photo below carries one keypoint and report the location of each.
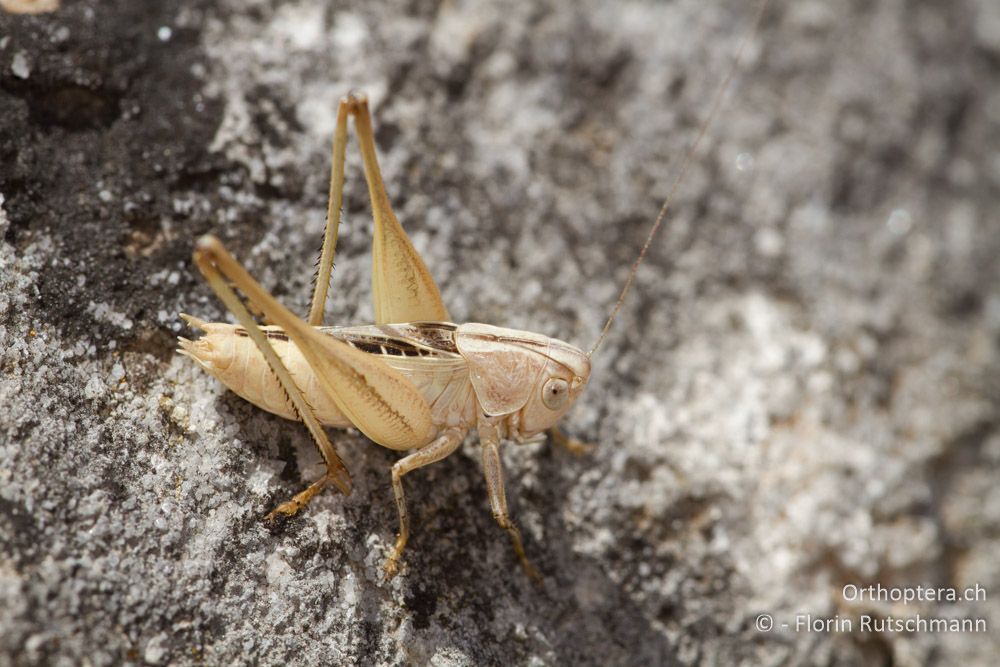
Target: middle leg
(437, 450)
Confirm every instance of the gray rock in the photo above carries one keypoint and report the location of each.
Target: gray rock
(801, 394)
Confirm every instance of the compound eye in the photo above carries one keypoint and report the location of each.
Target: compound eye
(555, 393)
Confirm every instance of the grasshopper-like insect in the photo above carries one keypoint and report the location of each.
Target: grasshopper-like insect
(414, 381)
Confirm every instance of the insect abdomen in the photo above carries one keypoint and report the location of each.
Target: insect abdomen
(228, 353)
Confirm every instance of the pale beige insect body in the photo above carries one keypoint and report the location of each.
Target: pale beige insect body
(413, 381)
(461, 371)
(228, 353)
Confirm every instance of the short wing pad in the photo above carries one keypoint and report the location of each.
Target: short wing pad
(504, 369)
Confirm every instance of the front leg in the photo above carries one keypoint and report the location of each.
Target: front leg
(489, 438)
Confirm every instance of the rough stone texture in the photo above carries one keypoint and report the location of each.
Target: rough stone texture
(802, 392)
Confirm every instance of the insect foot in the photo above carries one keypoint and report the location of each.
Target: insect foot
(515, 537)
(570, 444)
(300, 500)
(392, 566)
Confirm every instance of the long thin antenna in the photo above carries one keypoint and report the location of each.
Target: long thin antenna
(685, 165)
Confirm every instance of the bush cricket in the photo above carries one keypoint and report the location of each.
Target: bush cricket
(414, 381)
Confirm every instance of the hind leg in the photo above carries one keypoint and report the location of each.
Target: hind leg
(402, 287)
(335, 470)
(335, 203)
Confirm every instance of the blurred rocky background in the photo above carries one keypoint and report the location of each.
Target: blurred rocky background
(802, 392)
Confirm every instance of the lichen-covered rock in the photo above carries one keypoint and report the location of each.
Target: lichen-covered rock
(802, 392)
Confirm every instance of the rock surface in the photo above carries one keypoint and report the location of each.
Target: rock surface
(802, 392)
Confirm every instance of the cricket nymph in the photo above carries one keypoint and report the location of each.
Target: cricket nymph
(461, 370)
(419, 387)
